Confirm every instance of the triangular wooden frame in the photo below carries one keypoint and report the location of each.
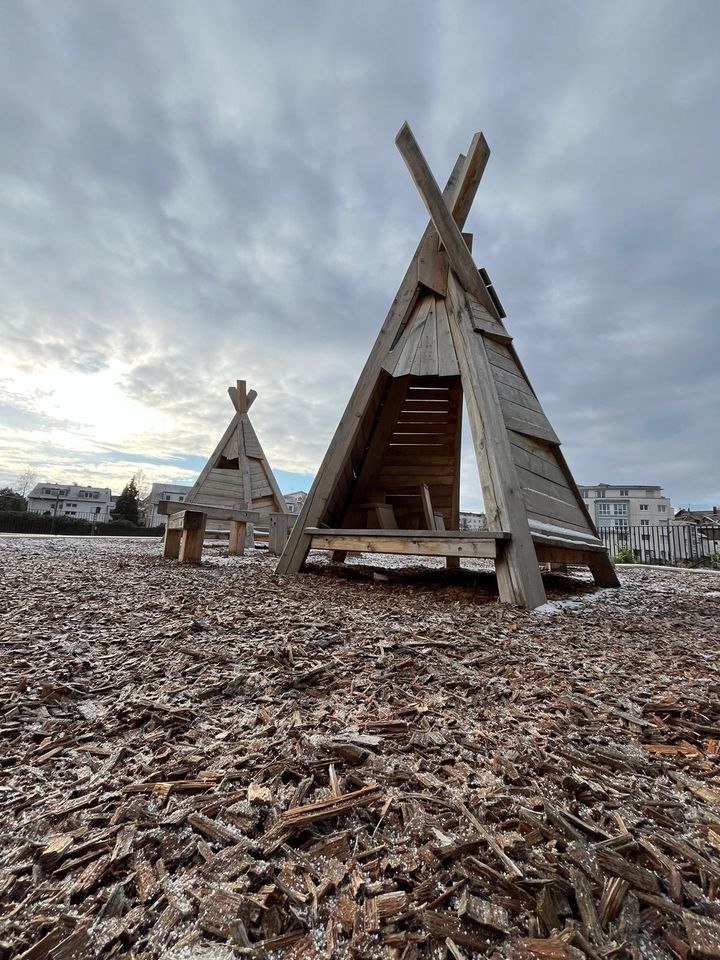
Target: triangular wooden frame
(444, 339)
(237, 474)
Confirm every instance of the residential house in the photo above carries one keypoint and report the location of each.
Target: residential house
(71, 500)
(162, 491)
(295, 501)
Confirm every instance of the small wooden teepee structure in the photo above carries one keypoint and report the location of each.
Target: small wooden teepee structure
(390, 480)
(238, 474)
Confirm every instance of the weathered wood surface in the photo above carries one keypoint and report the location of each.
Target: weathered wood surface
(169, 507)
(217, 762)
(518, 574)
(329, 486)
(404, 542)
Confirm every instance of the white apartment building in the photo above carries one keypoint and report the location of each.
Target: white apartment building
(162, 491)
(629, 505)
(71, 500)
(472, 521)
(295, 501)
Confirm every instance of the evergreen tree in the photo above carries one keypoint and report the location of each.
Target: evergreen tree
(10, 500)
(127, 504)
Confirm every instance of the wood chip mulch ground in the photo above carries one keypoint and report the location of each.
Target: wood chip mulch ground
(212, 762)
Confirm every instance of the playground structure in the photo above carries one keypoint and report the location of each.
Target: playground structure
(390, 480)
(236, 487)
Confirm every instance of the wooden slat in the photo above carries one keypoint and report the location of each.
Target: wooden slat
(415, 534)
(447, 360)
(522, 397)
(530, 429)
(223, 492)
(547, 518)
(427, 393)
(512, 379)
(439, 547)
(224, 477)
(548, 488)
(426, 359)
(547, 553)
(408, 345)
(562, 513)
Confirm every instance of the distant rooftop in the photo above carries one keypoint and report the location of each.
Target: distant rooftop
(619, 486)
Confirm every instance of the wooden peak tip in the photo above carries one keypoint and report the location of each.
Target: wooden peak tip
(403, 131)
(478, 139)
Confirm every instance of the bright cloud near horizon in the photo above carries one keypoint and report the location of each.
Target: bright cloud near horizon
(192, 194)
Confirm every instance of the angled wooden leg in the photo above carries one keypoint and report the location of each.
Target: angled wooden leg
(516, 566)
(236, 547)
(192, 542)
(171, 543)
(338, 556)
(603, 571)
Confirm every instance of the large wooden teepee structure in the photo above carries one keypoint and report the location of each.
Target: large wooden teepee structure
(238, 473)
(390, 479)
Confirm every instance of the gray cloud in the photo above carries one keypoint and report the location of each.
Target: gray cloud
(206, 192)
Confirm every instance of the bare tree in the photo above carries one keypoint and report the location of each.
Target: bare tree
(26, 481)
(142, 482)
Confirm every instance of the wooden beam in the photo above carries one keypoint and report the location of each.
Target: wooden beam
(171, 543)
(411, 534)
(406, 545)
(169, 507)
(277, 537)
(192, 541)
(186, 520)
(459, 256)
(518, 573)
(236, 546)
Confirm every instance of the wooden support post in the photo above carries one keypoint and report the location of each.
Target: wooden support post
(236, 547)
(171, 544)
(518, 572)
(278, 534)
(193, 537)
(338, 556)
(603, 571)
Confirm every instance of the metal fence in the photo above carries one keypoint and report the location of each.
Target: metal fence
(82, 524)
(674, 544)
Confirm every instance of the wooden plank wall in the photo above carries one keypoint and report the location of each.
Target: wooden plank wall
(421, 448)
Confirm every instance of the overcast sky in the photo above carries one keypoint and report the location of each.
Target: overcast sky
(192, 193)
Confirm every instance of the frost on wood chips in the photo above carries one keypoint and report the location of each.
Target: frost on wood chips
(212, 762)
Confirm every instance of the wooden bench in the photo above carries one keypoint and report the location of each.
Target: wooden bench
(185, 530)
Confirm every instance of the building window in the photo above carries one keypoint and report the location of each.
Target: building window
(585, 494)
(644, 523)
(624, 493)
(603, 509)
(646, 536)
(600, 493)
(620, 509)
(181, 497)
(621, 524)
(644, 506)
(662, 508)
(166, 496)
